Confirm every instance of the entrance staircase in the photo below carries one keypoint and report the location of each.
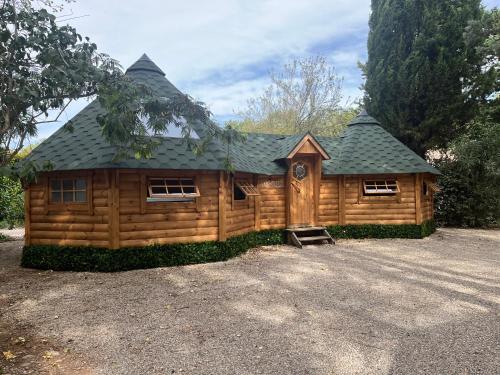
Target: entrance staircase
(308, 235)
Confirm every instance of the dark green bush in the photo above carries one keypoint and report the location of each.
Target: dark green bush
(11, 202)
(68, 258)
(470, 180)
(382, 230)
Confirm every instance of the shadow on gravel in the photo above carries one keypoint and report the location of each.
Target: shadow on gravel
(373, 306)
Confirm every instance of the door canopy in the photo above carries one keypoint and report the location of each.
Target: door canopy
(308, 145)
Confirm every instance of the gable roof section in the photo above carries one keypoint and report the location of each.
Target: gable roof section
(291, 145)
(363, 148)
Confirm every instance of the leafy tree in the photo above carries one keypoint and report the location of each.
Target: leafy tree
(304, 96)
(44, 66)
(471, 175)
(483, 37)
(11, 202)
(419, 70)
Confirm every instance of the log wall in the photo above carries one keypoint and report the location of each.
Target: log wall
(329, 200)
(117, 215)
(167, 222)
(272, 202)
(76, 226)
(399, 209)
(427, 205)
(240, 215)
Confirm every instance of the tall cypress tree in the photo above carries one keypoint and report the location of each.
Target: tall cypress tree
(418, 69)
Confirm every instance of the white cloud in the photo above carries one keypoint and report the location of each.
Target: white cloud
(193, 40)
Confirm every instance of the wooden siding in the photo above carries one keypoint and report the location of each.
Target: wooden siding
(240, 215)
(329, 200)
(399, 209)
(167, 222)
(427, 201)
(272, 202)
(118, 215)
(63, 226)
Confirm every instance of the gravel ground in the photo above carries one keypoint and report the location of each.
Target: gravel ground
(426, 306)
(15, 234)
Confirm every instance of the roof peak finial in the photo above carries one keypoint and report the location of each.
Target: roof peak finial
(144, 63)
(363, 118)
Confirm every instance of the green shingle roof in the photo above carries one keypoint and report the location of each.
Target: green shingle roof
(364, 147)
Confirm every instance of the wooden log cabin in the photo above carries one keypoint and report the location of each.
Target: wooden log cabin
(364, 176)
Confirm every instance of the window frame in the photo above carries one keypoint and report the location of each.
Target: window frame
(62, 190)
(249, 189)
(181, 197)
(236, 181)
(362, 198)
(86, 206)
(429, 188)
(383, 192)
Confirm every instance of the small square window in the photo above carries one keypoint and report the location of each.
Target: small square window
(158, 190)
(55, 185)
(67, 184)
(56, 197)
(68, 196)
(68, 190)
(174, 190)
(80, 196)
(80, 184)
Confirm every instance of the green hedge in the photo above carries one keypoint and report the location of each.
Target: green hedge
(383, 230)
(68, 258)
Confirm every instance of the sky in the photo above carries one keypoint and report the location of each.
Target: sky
(221, 51)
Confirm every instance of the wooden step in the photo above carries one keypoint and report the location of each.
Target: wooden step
(304, 229)
(313, 238)
(299, 236)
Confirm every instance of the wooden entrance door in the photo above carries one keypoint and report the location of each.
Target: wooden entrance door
(302, 190)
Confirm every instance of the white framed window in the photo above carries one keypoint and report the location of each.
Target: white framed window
(429, 187)
(380, 187)
(68, 190)
(242, 189)
(172, 189)
(247, 188)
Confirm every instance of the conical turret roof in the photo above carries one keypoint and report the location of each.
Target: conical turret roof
(145, 64)
(363, 118)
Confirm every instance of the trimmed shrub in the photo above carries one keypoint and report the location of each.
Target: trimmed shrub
(382, 230)
(428, 227)
(69, 258)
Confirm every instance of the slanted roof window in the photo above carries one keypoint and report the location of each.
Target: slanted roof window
(68, 190)
(380, 187)
(247, 188)
(428, 187)
(243, 189)
(172, 190)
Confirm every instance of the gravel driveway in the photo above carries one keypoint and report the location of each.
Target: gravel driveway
(359, 307)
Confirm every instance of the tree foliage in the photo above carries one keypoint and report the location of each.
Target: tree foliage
(419, 69)
(470, 194)
(304, 96)
(45, 66)
(11, 202)
(483, 37)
